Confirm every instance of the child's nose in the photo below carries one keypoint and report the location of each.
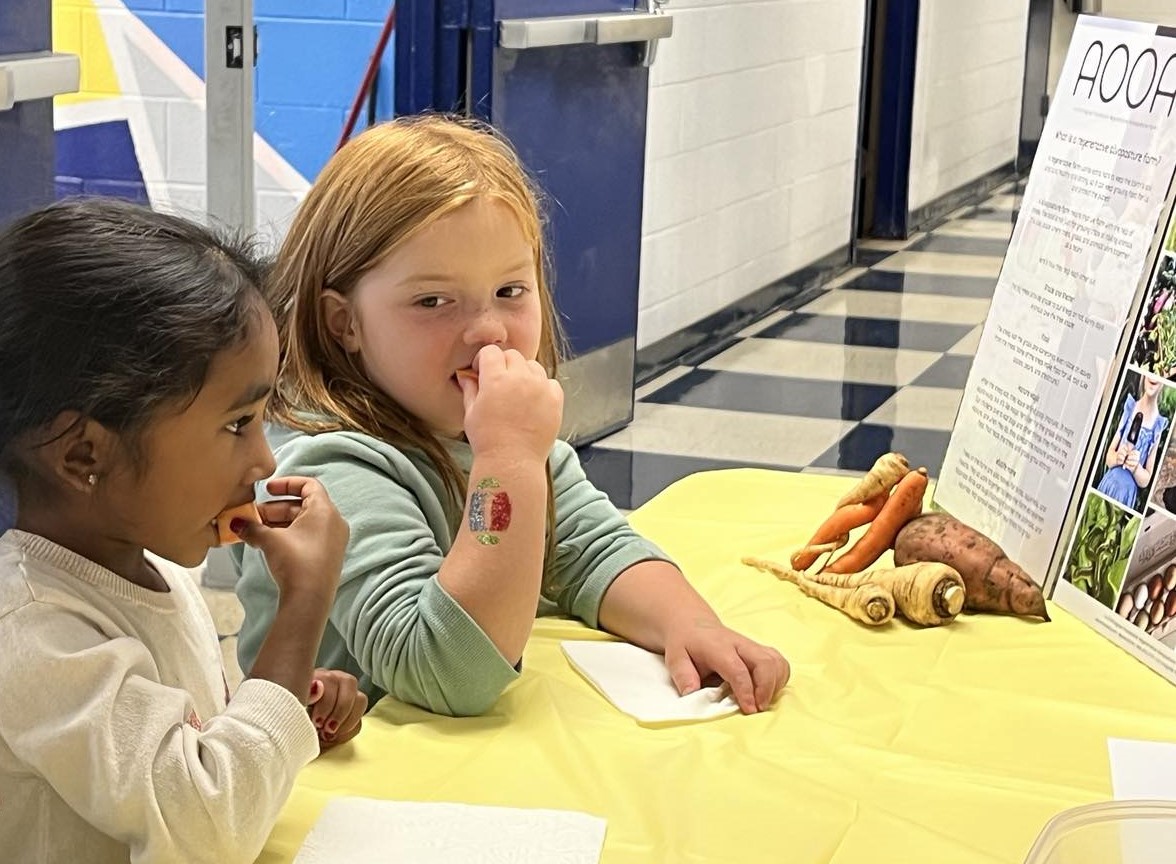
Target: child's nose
(485, 328)
(262, 459)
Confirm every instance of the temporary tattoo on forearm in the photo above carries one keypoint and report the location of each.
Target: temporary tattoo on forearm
(489, 511)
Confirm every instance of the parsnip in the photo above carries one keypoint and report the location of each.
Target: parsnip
(927, 593)
(880, 479)
(869, 603)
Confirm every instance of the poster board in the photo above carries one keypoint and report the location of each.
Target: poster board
(1079, 321)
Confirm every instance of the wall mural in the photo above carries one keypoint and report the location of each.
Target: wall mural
(136, 129)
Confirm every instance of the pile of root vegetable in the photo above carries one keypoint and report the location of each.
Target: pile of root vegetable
(942, 566)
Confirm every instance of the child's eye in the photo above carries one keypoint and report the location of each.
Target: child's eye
(510, 291)
(239, 424)
(432, 301)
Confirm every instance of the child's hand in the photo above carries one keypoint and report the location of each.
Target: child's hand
(336, 706)
(1132, 460)
(512, 406)
(705, 647)
(303, 541)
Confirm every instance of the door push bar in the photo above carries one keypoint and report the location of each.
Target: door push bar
(37, 75)
(606, 29)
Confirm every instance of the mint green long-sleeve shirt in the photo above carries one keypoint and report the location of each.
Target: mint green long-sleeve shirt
(392, 624)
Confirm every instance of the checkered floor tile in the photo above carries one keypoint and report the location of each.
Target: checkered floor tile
(877, 362)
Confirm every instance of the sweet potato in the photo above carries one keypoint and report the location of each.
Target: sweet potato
(993, 583)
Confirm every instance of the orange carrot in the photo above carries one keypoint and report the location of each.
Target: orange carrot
(837, 527)
(903, 505)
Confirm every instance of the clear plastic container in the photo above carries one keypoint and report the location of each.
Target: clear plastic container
(1112, 832)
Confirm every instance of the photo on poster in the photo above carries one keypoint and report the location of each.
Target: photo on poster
(1102, 548)
(1155, 344)
(1134, 440)
(1148, 596)
(1163, 494)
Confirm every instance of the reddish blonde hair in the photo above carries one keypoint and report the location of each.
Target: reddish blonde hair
(376, 192)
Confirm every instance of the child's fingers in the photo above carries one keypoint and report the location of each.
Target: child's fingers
(769, 672)
(682, 671)
(278, 514)
(469, 390)
(253, 534)
(295, 487)
(344, 699)
(731, 667)
(321, 710)
(351, 724)
(489, 360)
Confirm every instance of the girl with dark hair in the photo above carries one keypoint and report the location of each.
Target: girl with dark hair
(137, 356)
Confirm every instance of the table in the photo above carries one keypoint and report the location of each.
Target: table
(950, 744)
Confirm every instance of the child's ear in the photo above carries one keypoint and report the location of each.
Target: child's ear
(340, 321)
(80, 451)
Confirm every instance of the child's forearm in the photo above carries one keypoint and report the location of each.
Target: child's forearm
(651, 600)
(288, 652)
(495, 568)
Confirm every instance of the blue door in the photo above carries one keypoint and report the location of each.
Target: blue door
(567, 82)
(26, 129)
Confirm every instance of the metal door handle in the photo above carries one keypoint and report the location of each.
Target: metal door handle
(521, 33)
(38, 75)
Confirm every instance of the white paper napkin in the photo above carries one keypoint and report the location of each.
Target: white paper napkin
(1142, 769)
(637, 682)
(370, 831)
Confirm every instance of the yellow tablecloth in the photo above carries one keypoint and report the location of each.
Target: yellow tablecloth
(950, 744)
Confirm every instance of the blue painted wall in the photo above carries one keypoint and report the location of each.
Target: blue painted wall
(312, 59)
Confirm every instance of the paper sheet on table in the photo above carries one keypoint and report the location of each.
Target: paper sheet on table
(637, 682)
(370, 831)
(1142, 769)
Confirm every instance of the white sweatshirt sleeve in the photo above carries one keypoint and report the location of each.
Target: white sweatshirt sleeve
(89, 714)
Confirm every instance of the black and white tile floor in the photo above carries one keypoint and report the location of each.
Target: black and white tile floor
(876, 362)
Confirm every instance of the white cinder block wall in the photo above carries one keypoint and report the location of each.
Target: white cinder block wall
(751, 150)
(969, 72)
(1154, 11)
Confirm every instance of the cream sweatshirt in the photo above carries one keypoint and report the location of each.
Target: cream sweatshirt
(118, 742)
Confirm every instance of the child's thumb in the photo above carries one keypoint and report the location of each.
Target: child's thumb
(469, 390)
(316, 691)
(255, 534)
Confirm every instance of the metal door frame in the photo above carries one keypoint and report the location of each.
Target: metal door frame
(886, 135)
(230, 58)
